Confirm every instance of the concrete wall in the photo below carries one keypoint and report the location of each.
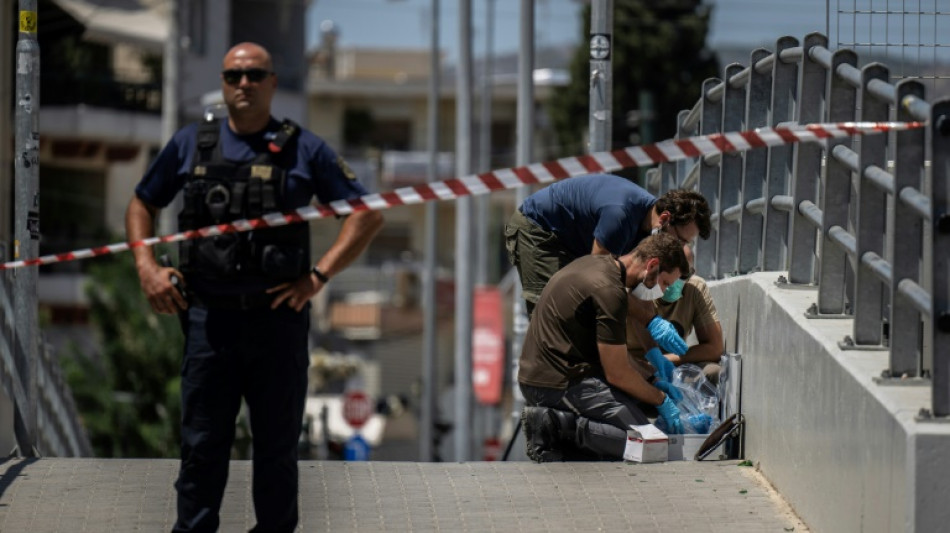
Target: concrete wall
(844, 451)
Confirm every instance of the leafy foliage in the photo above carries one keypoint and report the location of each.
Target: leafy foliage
(128, 395)
(658, 51)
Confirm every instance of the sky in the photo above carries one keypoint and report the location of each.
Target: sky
(406, 23)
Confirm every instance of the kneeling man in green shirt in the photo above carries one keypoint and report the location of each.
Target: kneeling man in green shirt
(581, 389)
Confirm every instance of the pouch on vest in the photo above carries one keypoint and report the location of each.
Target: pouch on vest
(219, 191)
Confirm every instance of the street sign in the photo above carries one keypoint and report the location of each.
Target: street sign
(488, 345)
(357, 408)
(491, 449)
(356, 449)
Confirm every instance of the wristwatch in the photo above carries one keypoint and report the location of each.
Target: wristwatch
(320, 275)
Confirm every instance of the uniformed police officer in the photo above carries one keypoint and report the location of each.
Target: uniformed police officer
(245, 319)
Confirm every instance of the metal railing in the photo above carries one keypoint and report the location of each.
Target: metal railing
(58, 429)
(104, 92)
(864, 220)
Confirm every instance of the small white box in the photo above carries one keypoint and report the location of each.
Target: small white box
(684, 447)
(645, 444)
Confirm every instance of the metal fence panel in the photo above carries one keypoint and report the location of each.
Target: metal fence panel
(906, 239)
(844, 237)
(710, 122)
(682, 166)
(940, 205)
(730, 177)
(756, 164)
(784, 98)
(58, 430)
(836, 192)
(811, 94)
(871, 223)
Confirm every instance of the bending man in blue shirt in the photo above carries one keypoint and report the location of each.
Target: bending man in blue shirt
(598, 214)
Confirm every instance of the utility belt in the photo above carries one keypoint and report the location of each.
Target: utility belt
(236, 302)
(278, 254)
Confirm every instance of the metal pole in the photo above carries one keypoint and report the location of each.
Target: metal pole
(26, 224)
(940, 256)
(601, 80)
(525, 126)
(482, 202)
(463, 241)
(430, 339)
(167, 218)
(6, 138)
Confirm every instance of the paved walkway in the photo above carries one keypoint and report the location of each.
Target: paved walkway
(126, 495)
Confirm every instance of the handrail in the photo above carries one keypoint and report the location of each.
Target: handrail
(812, 84)
(57, 417)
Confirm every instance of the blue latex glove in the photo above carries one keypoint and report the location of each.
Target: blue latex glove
(671, 416)
(666, 336)
(663, 366)
(700, 422)
(671, 391)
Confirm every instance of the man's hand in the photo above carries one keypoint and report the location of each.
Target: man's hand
(663, 366)
(671, 415)
(154, 279)
(296, 293)
(671, 390)
(162, 295)
(666, 336)
(675, 359)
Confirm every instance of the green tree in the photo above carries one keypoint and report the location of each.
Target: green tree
(128, 395)
(659, 54)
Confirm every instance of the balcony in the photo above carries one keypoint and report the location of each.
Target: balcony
(100, 107)
(102, 92)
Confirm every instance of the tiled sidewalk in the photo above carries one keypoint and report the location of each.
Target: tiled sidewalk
(125, 495)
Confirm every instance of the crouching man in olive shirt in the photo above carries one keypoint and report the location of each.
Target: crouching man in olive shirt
(581, 390)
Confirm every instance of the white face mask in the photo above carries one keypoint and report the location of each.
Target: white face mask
(645, 293)
(642, 292)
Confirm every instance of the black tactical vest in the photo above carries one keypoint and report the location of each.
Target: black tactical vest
(219, 191)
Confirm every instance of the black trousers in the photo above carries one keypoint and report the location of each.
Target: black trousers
(604, 413)
(262, 356)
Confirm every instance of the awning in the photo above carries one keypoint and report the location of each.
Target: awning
(119, 21)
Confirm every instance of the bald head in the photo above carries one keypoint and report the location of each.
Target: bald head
(248, 84)
(247, 51)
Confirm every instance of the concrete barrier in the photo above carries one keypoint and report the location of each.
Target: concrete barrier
(844, 451)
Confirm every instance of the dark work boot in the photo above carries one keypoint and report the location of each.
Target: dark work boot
(547, 433)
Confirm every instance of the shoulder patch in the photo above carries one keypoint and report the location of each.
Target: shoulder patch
(347, 171)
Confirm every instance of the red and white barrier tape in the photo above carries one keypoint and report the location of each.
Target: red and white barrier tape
(510, 178)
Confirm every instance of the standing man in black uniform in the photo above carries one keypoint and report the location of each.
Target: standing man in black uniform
(245, 319)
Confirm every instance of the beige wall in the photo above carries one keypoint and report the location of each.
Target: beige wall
(325, 118)
(127, 60)
(382, 64)
(121, 179)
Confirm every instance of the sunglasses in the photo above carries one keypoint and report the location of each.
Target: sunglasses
(232, 76)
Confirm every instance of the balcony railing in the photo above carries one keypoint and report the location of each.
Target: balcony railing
(108, 93)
